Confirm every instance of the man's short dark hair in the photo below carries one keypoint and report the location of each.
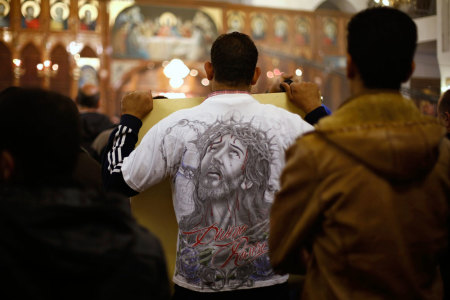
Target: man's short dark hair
(88, 96)
(444, 103)
(382, 42)
(234, 57)
(41, 131)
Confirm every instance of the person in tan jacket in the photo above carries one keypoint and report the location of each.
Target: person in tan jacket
(364, 199)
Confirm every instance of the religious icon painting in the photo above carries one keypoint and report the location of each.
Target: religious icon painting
(4, 13)
(302, 31)
(30, 9)
(330, 31)
(280, 28)
(235, 21)
(88, 14)
(258, 25)
(59, 13)
(156, 32)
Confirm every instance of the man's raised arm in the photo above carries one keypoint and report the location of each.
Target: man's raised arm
(134, 107)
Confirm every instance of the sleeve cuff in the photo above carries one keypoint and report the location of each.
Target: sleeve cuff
(314, 116)
(131, 122)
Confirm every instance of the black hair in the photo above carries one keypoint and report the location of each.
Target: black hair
(88, 100)
(234, 57)
(41, 131)
(444, 103)
(381, 42)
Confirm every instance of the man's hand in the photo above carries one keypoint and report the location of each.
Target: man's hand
(138, 104)
(304, 95)
(275, 87)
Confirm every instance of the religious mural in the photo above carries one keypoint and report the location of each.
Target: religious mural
(88, 14)
(59, 13)
(330, 32)
(4, 13)
(281, 29)
(235, 21)
(259, 25)
(88, 75)
(302, 31)
(30, 9)
(161, 33)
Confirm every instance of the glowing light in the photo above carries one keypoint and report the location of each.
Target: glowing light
(205, 81)
(194, 72)
(386, 2)
(298, 72)
(318, 80)
(40, 67)
(176, 69)
(75, 47)
(47, 63)
(270, 74)
(55, 67)
(277, 72)
(17, 62)
(377, 1)
(176, 82)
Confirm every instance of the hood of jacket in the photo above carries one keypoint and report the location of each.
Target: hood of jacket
(387, 133)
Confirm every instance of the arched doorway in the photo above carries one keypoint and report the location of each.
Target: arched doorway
(6, 76)
(30, 57)
(61, 81)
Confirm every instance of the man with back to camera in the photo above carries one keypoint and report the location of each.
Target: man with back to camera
(444, 111)
(92, 121)
(57, 240)
(224, 157)
(367, 212)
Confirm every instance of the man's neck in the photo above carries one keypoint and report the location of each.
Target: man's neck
(218, 86)
(357, 88)
(84, 109)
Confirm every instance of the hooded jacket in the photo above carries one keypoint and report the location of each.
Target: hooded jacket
(63, 243)
(363, 204)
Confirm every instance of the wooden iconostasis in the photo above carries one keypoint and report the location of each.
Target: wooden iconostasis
(127, 45)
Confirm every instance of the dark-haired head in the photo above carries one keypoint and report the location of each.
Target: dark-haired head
(88, 96)
(444, 109)
(233, 58)
(40, 136)
(381, 44)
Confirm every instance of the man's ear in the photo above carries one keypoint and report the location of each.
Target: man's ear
(246, 184)
(413, 67)
(351, 68)
(256, 75)
(447, 119)
(6, 165)
(209, 70)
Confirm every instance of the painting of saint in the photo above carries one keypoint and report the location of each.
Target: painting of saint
(329, 32)
(88, 75)
(88, 14)
(30, 14)
(280, 29)
(302, 31)
(4, 13)
(235, 21)
(59, 12)
(259, 26)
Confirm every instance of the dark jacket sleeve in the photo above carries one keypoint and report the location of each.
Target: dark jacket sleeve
(120, 144)
(314, 116)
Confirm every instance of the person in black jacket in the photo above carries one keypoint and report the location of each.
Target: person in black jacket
(57, 240)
